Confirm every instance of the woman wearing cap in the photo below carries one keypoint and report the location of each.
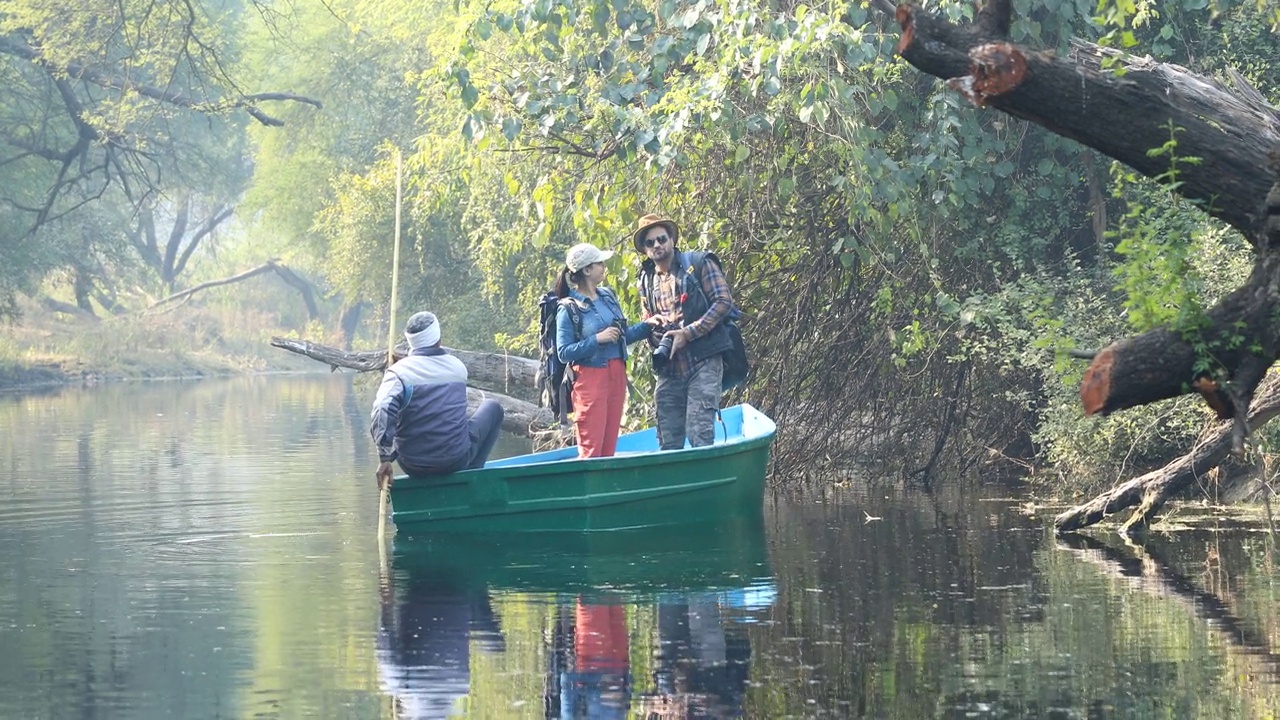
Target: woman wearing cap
(591, 340)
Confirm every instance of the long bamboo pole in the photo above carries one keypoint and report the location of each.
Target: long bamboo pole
(384, 493)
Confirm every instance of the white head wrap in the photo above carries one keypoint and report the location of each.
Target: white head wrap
(422, 330)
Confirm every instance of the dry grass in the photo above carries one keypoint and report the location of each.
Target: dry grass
(45, 346)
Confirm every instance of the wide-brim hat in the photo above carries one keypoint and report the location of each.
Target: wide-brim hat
(648, 221)
(583, 254)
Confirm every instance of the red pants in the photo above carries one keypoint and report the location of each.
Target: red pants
(598, 396)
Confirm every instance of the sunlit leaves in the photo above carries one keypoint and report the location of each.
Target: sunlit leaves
(788, 135)
(663, 63)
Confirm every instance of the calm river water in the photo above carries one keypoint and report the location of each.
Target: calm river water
(207, 550)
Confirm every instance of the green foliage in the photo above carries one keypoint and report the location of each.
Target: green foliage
(910, 267)
(1189, 28)
(348, 56)
(109, 109)
(1157, 275)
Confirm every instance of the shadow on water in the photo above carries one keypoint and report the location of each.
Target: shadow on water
(644, 621)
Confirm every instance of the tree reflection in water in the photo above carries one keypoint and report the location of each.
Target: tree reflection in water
(1143, 565)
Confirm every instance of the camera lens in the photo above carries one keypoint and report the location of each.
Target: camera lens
(664, 348)
(662, 353)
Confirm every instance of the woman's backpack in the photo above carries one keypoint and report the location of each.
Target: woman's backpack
(555, 380)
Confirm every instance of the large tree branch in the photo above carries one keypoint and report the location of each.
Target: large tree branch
(1122, 115)
(1224, 156)
(9, 46)
(269, 266)
(1149, 492)
(239, 277)
(297, 282)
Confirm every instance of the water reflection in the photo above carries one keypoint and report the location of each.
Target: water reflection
(642, 621)
(206, 550)
(1144, 566)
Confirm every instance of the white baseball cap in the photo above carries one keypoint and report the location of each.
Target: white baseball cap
(583, 254)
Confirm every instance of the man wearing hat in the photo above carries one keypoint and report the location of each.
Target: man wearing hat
(420, 414)
(689, 287)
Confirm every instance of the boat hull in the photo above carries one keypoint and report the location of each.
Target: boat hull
(639, 487)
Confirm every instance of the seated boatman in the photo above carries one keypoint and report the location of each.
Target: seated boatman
(420, 414)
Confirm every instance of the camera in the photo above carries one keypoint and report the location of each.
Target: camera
(662, 353)
(622, 329)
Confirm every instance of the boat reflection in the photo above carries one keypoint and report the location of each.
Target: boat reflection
(587, 625)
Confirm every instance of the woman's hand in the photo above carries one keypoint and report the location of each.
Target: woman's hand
(608, 335)
(659, 320)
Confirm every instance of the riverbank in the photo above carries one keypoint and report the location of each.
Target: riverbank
(46, 348)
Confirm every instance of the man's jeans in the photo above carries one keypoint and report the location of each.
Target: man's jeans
(484, 427)
(687, 407)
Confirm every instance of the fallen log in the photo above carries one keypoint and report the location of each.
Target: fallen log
(49, 303)
(488, 373)
(1149, 492)
(519, 417)
(507, 374)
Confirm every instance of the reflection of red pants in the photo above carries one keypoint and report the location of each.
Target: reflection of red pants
(600, 642)
(598, 396)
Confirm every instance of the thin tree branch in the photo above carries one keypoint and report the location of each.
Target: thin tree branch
(102, 79)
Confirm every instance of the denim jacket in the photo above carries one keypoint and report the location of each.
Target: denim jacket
(594, 317)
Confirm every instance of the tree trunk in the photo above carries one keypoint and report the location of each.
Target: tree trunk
(1235, 140)
(82, 287)
(350, 322)
(501, 376)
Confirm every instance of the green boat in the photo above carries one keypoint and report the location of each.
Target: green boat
(640, 486)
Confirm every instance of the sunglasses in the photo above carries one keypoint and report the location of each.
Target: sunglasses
(656, 240)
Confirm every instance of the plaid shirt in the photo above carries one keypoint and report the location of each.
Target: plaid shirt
(667, 293)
